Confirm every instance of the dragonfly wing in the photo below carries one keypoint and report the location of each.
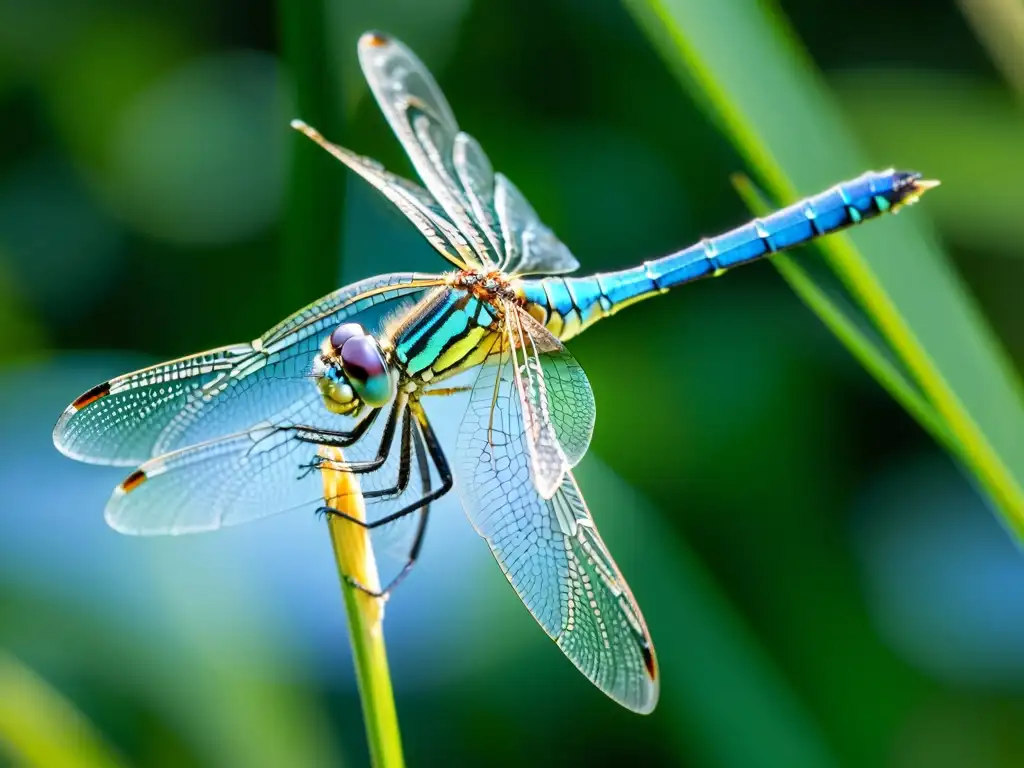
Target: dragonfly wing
(476, 176)
(531, 248)
(500, 225)
(450, 163)
(549, 549)
(411, 199)
(119, 421)
(348, 304)
(555, 399)
(144, 414)
(568, 398)
(548, 461)
(249, 475)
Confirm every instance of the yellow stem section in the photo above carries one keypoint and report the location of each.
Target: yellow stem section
(354, 555)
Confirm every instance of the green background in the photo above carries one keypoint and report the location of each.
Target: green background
(824, 585)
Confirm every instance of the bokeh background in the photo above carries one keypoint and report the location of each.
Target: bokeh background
(824, 585)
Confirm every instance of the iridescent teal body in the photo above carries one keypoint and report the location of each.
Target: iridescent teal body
(451, 329)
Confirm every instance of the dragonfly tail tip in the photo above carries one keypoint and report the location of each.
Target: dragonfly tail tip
(910, 189)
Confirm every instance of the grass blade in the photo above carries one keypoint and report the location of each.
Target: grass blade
(847, 321)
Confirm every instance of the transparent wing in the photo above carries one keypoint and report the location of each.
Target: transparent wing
(420, 116)
(555, 400)
(548, 461)
(500, 226)
(549, 549)
(569, 399)
(144, 414)
(412, 200)
(261, 472)
(531, 248)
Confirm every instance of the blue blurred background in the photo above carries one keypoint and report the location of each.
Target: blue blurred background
(824, 586)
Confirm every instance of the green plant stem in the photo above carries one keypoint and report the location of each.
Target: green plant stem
(371, 661)
(999, 25)
(354, 555)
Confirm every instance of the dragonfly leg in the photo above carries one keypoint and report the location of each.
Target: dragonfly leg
(421, 529)
(404, 464)
(404, 469)
(445, 391)
(436, 454)
(322, 437)
(332, 439)
(383, 451)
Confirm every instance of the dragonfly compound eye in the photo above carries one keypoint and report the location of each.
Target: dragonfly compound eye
(367, 370)
(343, 333)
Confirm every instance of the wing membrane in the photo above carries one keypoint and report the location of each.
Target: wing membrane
(250, 475)
(498, 223)
(555, 399)
(412, 200)
(569, 400)
(531, 248)
(549, 549)
(420, 116)
(162, 408)
(476, 177)
(547, 459)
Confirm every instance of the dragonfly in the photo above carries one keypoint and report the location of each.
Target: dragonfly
(238, 433)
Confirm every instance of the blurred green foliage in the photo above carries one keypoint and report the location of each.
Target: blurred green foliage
(823, 584)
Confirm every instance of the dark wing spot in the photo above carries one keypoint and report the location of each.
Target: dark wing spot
(375, 39)
(94, 394)
(133, 481)
(652, 668)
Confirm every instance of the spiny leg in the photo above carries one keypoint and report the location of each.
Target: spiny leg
(445, 391)
(418, 537)
(330, 438)
(358, 467)
(404, 467)
(436, 454)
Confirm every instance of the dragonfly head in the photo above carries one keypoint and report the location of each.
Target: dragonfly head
(355, 370)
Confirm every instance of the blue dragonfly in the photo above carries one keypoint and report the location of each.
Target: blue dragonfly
(238, 433)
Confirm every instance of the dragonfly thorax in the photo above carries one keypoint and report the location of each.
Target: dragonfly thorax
(453, 328)
(491, 287)
(352, 370)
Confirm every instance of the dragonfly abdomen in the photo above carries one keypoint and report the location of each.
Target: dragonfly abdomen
(569, 305)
